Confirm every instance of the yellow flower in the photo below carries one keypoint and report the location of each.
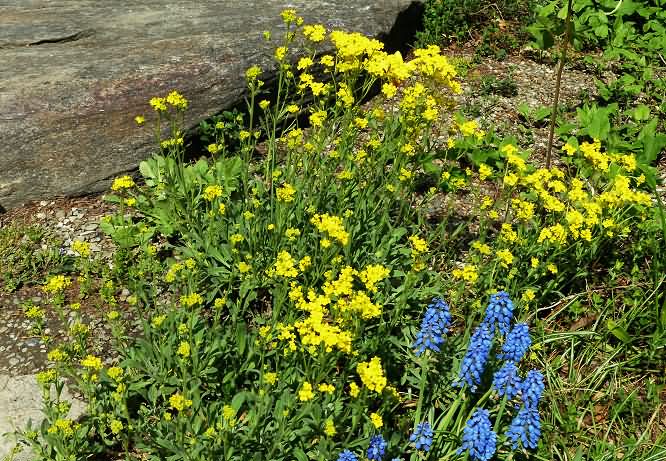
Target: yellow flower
(212, 192)
(220, 303)
(280, 53)
(284, 266)
(158, 104)
(222, 209)
(419, 245)
(534, 262)
(405, 174)
(389, 90)
(179, 402)
(288, 15)
(317, 118)
(505, 256)
(510, 180)
(372, 375)
(528, 295)
(34, 313)
(244, 267)
(177, 100)
(46, 377)
(252, 73)
(552, 268)
(57, 355)
(305, 393)
(332, 225)
(376, 420)
(373, 274)
(263, 104)
(314, 33)
(184, 349)
(116, 426)
(285, 193)
(354, 389)
(92, 362)
(482, 248)
(468, 273)
(64, 426)
(115, 373)
(213, 148)
(229, 415)
(329, 428)
(157, 321)
(140, 119)
(569, 149)
(270, 378)
(484, 172)
(327, 60)
(326, 388)
(304, 263)
(123, 182)
(191, 299)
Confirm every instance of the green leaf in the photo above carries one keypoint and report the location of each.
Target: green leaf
(617, 331)
(641, 112)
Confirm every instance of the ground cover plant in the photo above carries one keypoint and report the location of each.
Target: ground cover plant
(295, 297)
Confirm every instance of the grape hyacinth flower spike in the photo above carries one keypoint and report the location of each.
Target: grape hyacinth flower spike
(517, 342)
(434, 327)
(422, 437)
(347, 456)
(478, 437)
(377, 448)
(499, 312)
(532, 388)
(525, 428)
(506, 380)
(474, 362)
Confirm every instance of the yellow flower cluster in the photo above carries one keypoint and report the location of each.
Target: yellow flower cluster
(64, 427)
(174, 98)
(468, 272)
(305, 393)
(191, 299)
(123, 182)
(284, 266)
(92, 362)
(82, 248)
(331, 225)
(285, 193)
(179, 402)
(315, 33)
(56, 284)
(373, 274)
(372, 374)
(210, 193)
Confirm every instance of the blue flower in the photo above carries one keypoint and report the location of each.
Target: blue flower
(377, 448)
(517, 342)
(525, 428)
(478, 436)
(499, 312)
(347, 456)
(422, 437)
(532, 388)
(433, 327)
(475, 358)
(506, 380)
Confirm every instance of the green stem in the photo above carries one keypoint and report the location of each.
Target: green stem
(424, 377)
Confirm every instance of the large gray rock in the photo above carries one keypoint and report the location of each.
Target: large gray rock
(74, 73)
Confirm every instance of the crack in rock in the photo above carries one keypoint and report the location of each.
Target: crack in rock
(66, 39)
